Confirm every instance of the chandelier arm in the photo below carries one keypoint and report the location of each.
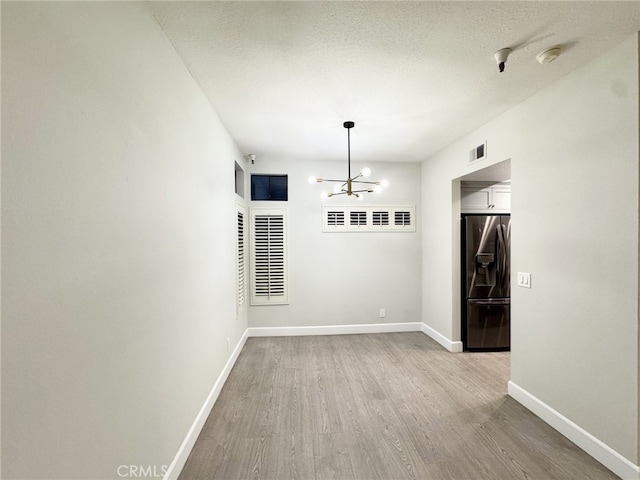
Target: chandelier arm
(337, 181)
(362, 181)
(362, 191)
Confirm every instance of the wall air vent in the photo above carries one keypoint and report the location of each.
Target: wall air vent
(478, 153)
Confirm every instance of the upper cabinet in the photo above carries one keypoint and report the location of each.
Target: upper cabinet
(483, 197)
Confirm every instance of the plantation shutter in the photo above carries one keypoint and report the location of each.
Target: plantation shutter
(240, 262)
(402, 217)
(335, 218)
(380, 217)
(357, 218)
(368, 219)
(269, 257)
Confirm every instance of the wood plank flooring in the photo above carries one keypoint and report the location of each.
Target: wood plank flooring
(378, 406)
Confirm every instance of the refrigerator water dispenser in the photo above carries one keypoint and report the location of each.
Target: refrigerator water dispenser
(485, 269)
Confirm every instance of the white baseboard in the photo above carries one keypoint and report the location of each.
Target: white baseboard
(192, 435)
(452, 346)
(597, 449)
(354, 329)
(334, 329)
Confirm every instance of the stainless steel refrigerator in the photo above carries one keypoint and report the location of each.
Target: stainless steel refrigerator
(486, 322)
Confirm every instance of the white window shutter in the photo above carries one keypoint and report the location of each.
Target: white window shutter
(334, 219)
(369, 219)
(358, 219)
(240, 259)
(404, 218)
(380, 218)
(269, 256)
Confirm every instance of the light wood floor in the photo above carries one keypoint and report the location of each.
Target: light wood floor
(379, 406)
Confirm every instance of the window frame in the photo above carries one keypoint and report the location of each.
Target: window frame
(271, 189)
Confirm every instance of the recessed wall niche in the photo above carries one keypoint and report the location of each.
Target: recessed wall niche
(239, 179)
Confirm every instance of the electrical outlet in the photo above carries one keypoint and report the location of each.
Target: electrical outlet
(383, 313)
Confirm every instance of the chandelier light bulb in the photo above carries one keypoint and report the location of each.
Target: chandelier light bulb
(384, 183)
(312, 180)
(324, 195)
(377, 189)
(366, 172)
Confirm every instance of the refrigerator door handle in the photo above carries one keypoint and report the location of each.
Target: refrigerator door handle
(498, 262)
(489, 302)
(501, 261)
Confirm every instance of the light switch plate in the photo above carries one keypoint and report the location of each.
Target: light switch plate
(524, 279)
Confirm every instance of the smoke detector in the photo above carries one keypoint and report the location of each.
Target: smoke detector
(549, 55)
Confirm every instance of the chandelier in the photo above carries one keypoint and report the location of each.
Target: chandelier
(352, 186)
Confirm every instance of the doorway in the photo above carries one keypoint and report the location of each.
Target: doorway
(486, 191)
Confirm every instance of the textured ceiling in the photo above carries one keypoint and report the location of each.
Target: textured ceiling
(413, 76)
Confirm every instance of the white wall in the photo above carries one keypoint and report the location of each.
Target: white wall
(344, 278)
(118, 243)
(574, 169)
